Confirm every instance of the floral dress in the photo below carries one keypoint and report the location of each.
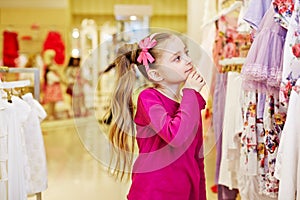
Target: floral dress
(273, 123)
(291, 62)
(287, 156)
(260, 139)
(284, 10)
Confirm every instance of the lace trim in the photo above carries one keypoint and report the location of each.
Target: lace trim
(260, 73)
(261, 87)
(254, 72)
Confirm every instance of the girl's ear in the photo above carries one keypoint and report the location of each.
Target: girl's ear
(154, 75)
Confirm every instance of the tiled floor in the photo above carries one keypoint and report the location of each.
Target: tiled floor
(75, 172)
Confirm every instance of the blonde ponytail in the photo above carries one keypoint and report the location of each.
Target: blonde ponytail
(121, 132)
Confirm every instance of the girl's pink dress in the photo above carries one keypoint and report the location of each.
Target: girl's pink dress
(52, 92)
(170, 164)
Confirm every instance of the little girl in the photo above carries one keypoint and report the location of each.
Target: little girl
(168, 124)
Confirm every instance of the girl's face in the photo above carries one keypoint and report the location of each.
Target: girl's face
(174, 62)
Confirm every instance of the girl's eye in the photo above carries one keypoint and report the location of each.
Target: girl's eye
(187, 52)
(177, 58)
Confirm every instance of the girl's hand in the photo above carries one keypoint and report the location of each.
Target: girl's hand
(194, 81)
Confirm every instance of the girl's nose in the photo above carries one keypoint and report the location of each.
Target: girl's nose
(188, 59)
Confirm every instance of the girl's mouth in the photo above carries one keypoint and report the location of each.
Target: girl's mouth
(189, 70)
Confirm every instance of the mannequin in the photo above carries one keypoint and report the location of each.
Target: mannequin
(52, 87)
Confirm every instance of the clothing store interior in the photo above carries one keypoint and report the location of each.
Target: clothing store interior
(54, 56)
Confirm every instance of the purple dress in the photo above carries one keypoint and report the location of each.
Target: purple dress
(218, 117)
(170, 164)
(256, 11)
(263, 66)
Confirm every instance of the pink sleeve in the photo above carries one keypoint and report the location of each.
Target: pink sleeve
(200, 160)
(199, 156)
(175, 129)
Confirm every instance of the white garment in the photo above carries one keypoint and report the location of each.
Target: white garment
(35, 149)
(3, 151)
(248, 188)
(287, 168)
(232, 126)
(290, 63)
(11, 119)
(88, 87)
(287, 165)
(243, 26)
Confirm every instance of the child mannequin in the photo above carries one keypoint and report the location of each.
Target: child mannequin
(170, 164)
(52, 87)
(75, 85)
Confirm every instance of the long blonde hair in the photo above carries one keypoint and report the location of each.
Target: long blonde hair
(122, 130)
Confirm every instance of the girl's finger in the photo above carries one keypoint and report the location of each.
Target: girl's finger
(193, 74)
(198, 77)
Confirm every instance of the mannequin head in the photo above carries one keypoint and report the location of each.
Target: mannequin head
(48, 57)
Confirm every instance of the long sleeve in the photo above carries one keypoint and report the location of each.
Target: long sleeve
(170, 163)
(200, 159)
(202, 194)
(41, 113)
(173, 129)
(37, 180)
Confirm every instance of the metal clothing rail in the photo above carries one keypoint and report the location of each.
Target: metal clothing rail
(35, 71)
(14, 84)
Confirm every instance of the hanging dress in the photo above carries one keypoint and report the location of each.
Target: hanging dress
(262, 70)
(35, 148)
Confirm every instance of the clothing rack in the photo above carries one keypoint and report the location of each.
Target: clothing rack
(35, 71)
(23, 83)
(14, 84)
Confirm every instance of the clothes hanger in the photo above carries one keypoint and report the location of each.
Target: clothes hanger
(21, 91)
(10, 86)
(236, 5)
(9, 95)
(4, 69)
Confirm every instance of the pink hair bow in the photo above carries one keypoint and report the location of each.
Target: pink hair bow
(145, 56)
